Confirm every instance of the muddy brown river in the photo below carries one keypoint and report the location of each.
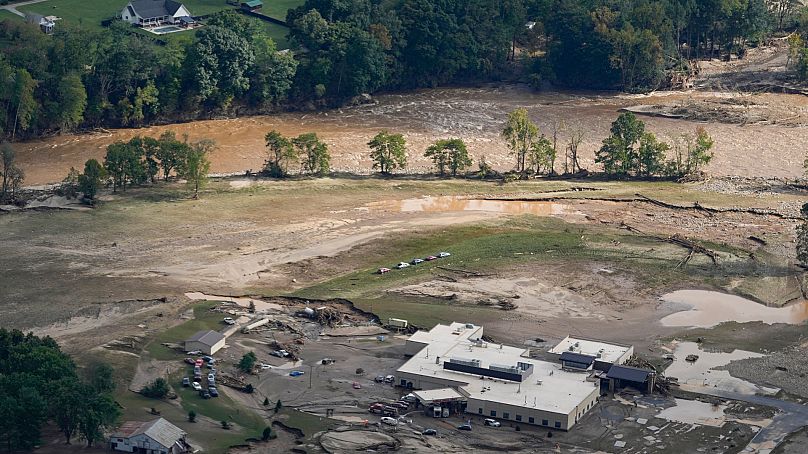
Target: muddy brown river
(476, 115)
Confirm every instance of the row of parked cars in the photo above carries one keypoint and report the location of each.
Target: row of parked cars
(416, 261)
(196, 384)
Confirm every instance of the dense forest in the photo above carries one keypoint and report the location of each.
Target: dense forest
(83, 77)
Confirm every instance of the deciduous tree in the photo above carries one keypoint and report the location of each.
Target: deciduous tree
(196, 165)
(449, 154)
(313, 153)
(388, 151)
(280, 153)
(520, 133)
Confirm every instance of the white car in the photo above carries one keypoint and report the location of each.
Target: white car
(265, 366)
(390, 421)
(492, 423)
(229, 321)
(403, 265)
(444, 254)
(196, 386)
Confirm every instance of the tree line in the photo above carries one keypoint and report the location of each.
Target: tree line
(85, 77)
(40, 383)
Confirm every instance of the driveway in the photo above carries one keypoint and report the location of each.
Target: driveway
(12, 8)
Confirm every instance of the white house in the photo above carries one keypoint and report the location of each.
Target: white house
(154, 437)
(45, 23)
(155, 12)
(208, 342)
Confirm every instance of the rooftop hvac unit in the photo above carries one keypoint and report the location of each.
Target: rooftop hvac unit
(538, 382)
(506, 369)
(523, 366)
(599, 355)
(572, 349)
(465, 362)
(577, 344)
(469, 326)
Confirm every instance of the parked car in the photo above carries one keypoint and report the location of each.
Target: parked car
(403, 265)
(279, 353)
(466, 426)
(197, 370)
(384, 270)
(429, 432)
(190, 360)
(410, 398)
(492, 423)
(417, 261)
(389, 379)
(197, 386)
(431, 258)
(211, 376)
(213, 391)
(389, 421)
(229, 321)
(204, 394)
(264, 366)
(443, 255)
(356, 385)
(199, 362)
(208, 359)
(194, 352)
(296, 373)
(186, 382)
(379, 379)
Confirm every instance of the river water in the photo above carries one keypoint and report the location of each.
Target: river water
(476, 115)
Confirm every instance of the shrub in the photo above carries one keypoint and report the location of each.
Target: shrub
(157, 389)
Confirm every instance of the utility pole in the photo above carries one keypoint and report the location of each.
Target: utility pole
(311, 372)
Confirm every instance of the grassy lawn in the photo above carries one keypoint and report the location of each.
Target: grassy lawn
(278, 8)
(203, 319)
(213, 439)
(219, 409)
(5, 14)
(90, 13)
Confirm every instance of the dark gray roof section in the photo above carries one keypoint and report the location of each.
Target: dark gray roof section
(627, 373)
(208, 337)
(571, 357)
(148, 9)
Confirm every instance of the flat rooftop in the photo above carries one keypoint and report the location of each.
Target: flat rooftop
(609, 352)
(548, 388)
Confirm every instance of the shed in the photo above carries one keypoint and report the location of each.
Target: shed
(252, 5)
(154, 437)
(208, 342)
(577, 361)
(632, 377)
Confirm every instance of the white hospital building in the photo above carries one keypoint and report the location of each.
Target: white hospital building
(495, 380)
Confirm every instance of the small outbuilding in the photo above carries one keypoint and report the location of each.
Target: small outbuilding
(154, 437)
(252, 5)
(620, 377)
(208, 342)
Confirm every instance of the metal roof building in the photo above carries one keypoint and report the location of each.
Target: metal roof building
(498, 381)
(153, 437)
(208, 342)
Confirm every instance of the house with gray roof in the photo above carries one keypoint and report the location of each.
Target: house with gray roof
(148, 13)
(154, 437)
(206, 341)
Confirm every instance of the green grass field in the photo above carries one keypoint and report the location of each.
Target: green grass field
(90, 13)
(5, 14)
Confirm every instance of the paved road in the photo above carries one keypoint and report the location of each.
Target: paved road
(791, 418)
(12, 8)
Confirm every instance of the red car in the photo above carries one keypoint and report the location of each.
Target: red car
(356, 385)
(384, 270)
(199, 362)
(431, 258)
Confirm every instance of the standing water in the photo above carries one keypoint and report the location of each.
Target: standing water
(447, 204)
(708, 309)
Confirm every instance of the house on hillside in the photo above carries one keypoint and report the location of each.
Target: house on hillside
(149, 13)
(45, 23)
(154, 437)
(208, 342)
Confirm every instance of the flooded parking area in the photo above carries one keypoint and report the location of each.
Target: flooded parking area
(706, 371)
(695, 412)
(449, 204)
(708, 308)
